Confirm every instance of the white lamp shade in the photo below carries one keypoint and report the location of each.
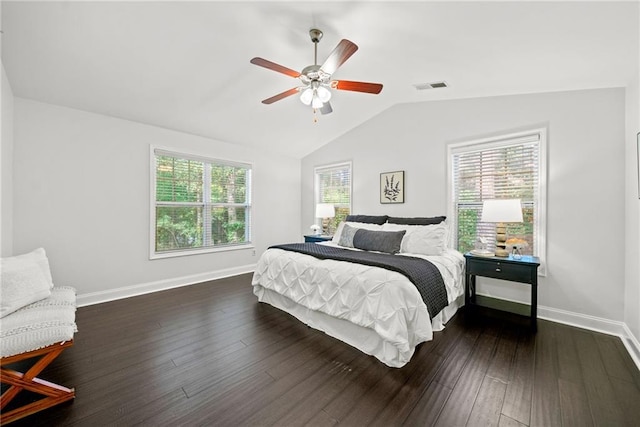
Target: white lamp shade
(316, 102)
(503, 210)
(324, 94)
(325, 210)
(306, 96)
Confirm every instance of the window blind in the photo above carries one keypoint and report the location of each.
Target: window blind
(333, 185)
(502, 168)
(200, 203)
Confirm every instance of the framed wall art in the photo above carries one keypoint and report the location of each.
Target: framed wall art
(392, 187)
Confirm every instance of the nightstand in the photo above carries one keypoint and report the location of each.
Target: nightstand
(315, 238)
(523, 270)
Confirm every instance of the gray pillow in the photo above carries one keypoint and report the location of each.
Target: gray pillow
(369, 219)
(381, 241)
(346, 237)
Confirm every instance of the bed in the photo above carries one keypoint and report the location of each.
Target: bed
(377, 309)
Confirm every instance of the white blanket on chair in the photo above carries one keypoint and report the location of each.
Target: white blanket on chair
(40, 324)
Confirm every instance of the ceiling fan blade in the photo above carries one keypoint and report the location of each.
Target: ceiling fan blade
(340, 54)
(374, 88)
(326, 108)
(275, 67)
(280, 96)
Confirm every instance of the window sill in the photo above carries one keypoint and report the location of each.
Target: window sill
(179, 253)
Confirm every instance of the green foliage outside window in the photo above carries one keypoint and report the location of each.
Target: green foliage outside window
(228, 225)
(178, 228)
(228, 184)
(193, 212)
(467, 226)
(178, 180)
(334, 187)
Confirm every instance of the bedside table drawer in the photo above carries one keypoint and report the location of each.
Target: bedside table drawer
(500, 270)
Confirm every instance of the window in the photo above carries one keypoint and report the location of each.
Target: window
(333, 185)
(508, 167)
(198, 204)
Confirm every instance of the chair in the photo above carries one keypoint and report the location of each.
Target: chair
(39, 331)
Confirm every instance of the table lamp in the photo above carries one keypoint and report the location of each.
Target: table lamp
(325, 211)
(501, 211)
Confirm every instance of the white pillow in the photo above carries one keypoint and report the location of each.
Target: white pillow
(39, 256)
(422, 239)
(365, 225)
(24, 279)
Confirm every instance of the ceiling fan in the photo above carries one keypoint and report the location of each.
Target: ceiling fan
(316, 79)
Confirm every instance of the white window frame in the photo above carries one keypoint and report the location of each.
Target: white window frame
(316, 186)
(153, 150)
(540, 226)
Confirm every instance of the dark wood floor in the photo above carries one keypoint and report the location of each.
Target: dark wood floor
(210, 354)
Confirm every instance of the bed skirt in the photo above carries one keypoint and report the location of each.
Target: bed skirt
(364, 339)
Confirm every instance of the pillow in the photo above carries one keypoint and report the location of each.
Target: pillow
(366, 226)
(24, 280)
(346, 237)
(39, 256)
(416, 220)
(369, 219)
(423, 239)
(381, 241)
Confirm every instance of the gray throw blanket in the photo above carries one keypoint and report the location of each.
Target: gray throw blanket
(423, 274)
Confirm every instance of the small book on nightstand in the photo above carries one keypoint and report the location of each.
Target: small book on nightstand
(481, 252)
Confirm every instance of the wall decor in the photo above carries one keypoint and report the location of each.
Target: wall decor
(392, 187)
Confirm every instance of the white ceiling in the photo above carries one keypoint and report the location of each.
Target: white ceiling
(185, 65)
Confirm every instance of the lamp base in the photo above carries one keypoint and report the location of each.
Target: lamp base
(502, 252)
(325, 226)
(501, 240)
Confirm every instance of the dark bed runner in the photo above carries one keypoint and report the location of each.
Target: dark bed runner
(423, 274)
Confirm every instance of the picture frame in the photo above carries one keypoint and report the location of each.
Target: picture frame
(392, 187)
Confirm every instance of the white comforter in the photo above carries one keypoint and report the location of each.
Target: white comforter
(370, 297)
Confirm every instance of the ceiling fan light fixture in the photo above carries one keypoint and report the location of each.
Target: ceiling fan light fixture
(317, 102)
(323, 93)
(307, 96)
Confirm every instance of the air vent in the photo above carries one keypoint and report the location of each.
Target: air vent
(433, 85)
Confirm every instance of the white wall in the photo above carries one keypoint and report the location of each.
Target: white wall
(586, 149)
(632, 205)
(81, 191)
(6, 165)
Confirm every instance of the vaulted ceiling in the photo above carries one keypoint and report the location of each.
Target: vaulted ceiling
(185, 65)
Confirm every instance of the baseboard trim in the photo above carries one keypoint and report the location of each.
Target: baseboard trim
(160, 285)
(592, 323)
(584, 321)
(597, 324)
(632, 345)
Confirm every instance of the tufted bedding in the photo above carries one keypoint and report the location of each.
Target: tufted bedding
(376, 310)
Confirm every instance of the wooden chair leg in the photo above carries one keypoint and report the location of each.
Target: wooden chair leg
(18, 381)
